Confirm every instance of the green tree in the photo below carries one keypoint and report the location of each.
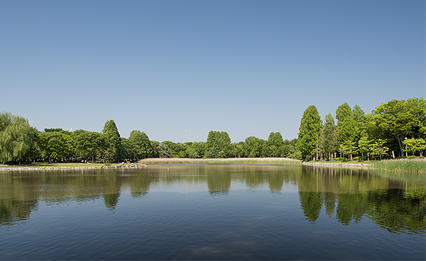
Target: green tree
(378, 148)
(115, 150)
(89, 143)
(342, 112)
(163, 150)
(364, 146)
(310, 126)
(275, 141)
(330, 136)
(140, 144)
(16, 137)
(414, 145)
(400, 119)
(218, 144)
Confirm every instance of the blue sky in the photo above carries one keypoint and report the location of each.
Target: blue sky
(245, 67)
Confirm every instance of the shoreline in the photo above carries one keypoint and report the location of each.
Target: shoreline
(30, 168)
(340, 165)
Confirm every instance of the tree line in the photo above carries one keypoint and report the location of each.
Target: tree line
(19, 142)
(390, 130)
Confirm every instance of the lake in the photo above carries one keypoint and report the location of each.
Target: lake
(208, 211)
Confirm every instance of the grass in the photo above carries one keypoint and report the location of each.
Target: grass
(56, 165)
(344, 162)
(415, 166)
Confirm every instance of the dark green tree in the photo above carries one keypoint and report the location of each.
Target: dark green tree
(115, 150)
(89, 143)
(140, 145)
(309, 129)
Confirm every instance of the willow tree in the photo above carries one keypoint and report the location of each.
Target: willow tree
(16, 137)
(309, 131)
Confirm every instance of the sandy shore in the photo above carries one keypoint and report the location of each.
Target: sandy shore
(212, 160)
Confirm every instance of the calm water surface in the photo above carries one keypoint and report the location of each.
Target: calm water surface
(212, 212)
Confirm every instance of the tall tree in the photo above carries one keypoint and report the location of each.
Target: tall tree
(342, 112)
(115, 149)
(310, 126)
(330, 137)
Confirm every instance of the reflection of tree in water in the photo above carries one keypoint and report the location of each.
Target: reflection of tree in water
(139, 186)
(329, 202)
(218, 183)
(311, 204)
(351, 207)
(112, 191)
(399, 211)
(276, 181)
(111, 200)
(13, 211)
(395, 206)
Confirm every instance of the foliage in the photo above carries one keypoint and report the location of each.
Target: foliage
(16, 137)
(218, 145)
(414, 145)
(163, 150)
(140, 145)
(115, 150)
(400, 119)
(310, 126)
(89, 143)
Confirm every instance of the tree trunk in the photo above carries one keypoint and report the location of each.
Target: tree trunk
(93, 156)
(317, 147)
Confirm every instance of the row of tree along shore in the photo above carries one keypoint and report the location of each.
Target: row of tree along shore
(389, 131)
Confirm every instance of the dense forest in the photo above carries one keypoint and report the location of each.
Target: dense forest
(389, 131)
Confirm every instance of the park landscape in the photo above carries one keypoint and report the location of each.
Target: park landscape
(392, 132)
(212, 130)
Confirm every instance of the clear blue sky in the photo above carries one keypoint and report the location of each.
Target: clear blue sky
(245, 67)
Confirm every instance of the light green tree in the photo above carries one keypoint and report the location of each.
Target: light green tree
(378, 148)
(218, 144)
(364, 146)
(400, 119)
(414, 145)
(16, 137)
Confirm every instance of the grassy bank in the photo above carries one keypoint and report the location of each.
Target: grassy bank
(281, 161)
(415, 166)
(57, 165)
